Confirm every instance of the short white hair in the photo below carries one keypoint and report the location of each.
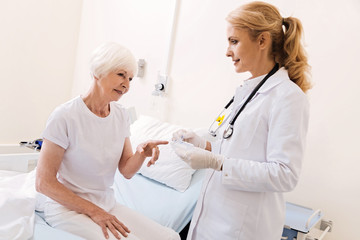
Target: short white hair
(111, 57)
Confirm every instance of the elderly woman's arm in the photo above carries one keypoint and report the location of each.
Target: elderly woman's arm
(47, 183)
(131, 162)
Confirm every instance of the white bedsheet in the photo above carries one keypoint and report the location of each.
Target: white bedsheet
(18, 201)
(163, 204)
(17, 204)
(42, 231)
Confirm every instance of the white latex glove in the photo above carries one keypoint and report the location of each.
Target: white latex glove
(197, 158)
(190, 137)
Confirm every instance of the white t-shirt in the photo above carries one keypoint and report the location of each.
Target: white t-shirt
(93, 148)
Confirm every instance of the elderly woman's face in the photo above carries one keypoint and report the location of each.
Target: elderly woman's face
(115, 84)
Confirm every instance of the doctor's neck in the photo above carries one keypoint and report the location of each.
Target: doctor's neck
(262, 68)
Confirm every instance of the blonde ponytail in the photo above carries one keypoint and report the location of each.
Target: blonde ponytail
(294, 58)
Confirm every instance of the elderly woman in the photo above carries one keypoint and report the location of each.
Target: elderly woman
(85, 140)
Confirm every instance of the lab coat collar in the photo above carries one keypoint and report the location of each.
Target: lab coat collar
(278, 77)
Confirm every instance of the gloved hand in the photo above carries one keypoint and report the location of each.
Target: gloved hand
(197, 158)
(190, 137)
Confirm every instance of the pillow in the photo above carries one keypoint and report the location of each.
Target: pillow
(169, 169)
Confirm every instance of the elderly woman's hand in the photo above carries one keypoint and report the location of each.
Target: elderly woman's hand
(150, 149)
(107, 221)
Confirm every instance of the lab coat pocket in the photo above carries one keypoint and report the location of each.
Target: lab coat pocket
(244, 130)
(234, 216)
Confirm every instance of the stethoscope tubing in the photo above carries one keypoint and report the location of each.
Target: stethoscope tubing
(229, 130)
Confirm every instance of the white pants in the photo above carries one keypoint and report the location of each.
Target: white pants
(141, 227)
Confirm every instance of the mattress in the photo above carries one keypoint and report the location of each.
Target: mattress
(42, 231)
(157, 201)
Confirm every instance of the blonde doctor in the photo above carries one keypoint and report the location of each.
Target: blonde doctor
(258, 156)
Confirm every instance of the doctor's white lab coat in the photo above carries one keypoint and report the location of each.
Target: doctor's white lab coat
(263, 159)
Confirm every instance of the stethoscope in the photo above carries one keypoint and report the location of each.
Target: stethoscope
(222, 117)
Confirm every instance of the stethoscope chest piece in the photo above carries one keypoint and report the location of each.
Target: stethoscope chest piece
(230, 128)
(228, 131)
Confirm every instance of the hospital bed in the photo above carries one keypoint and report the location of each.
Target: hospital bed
(166, 192)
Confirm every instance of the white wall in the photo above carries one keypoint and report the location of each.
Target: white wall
(143, 26)
(37, 55)
(330, 178)
(39, 40)
(202, 80)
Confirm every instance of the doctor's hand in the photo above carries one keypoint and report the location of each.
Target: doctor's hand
(107, 222)
(190, 137)
(150, 149)
(197, 158)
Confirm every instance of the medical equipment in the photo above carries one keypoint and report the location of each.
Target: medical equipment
(197, 158)
(160, 86)
(222, 117)
(300, 223)
(176, 143)
(36, 144)
(230, 128)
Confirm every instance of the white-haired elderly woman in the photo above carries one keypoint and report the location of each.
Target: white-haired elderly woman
(85, 140)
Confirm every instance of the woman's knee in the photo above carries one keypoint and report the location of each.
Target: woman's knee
(174, 236)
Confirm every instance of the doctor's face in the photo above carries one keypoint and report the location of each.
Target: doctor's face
(115, 84)
(242, 49)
